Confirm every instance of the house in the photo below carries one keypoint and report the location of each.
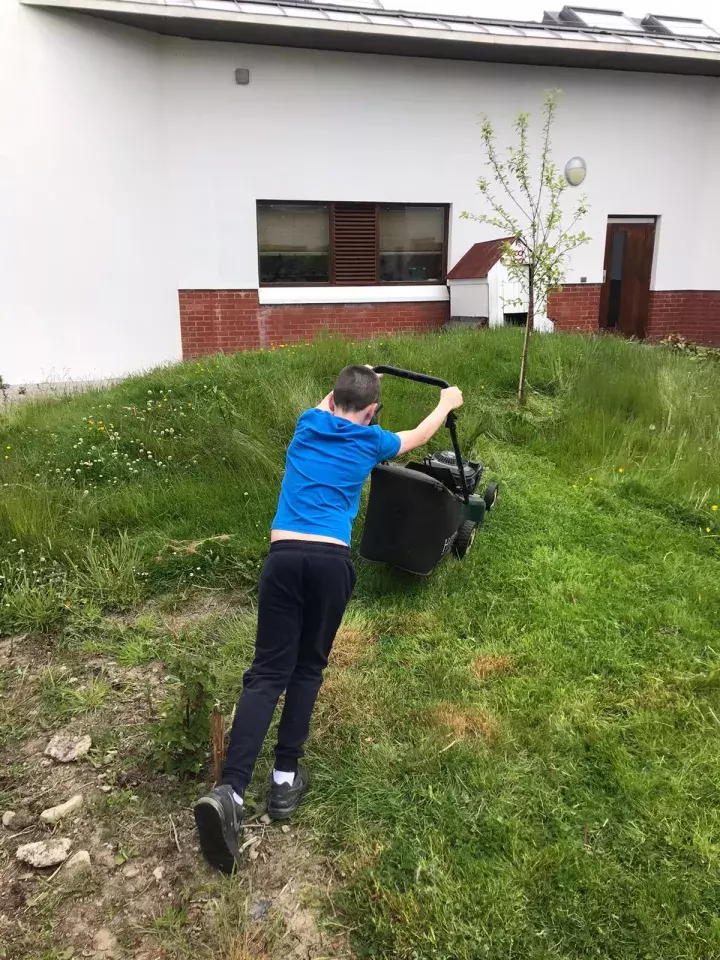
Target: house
(187, 176)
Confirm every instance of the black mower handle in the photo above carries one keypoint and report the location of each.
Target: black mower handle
(420, 378)
(451, 418)
(410, 375)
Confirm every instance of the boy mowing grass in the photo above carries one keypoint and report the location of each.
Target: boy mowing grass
(305, 587)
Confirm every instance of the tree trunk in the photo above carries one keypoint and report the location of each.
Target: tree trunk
(528, 330)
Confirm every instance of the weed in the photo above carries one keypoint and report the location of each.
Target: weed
(181, 737)
(64, 696)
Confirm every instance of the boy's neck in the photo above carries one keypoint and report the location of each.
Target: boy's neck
(352, 416)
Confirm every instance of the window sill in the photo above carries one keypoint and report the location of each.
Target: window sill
(400, 293)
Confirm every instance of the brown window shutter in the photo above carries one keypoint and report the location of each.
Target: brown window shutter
(354, 239)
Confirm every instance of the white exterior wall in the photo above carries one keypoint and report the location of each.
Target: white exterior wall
(511, 296)
(469, 298)
(138, 161)
(86, 292)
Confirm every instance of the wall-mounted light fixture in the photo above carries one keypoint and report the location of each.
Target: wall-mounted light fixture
(575, 171)
(242, 76)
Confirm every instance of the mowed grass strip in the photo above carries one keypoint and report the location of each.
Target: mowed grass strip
(517, 757)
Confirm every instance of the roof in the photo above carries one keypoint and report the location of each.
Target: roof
(573, 37)
(479, 260)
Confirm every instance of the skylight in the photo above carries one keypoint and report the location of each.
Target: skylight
(600, 19)
(681, 27)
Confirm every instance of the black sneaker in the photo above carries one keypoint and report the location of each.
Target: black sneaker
(285, 798)
(219, 821)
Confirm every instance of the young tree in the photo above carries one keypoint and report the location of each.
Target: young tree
(529, 208)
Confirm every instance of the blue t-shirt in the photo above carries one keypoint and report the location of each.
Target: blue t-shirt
(328, 461)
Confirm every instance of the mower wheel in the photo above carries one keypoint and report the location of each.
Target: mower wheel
(465, 538)
(492, 492)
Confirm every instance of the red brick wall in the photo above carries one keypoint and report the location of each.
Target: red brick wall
(576, 307)
(693, 314)
(214, 321)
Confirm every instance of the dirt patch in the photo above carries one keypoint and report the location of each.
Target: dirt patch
(148, 894)
(340, 700)
(351, 645)
(462, 722)
(198, 605)
(486, 666)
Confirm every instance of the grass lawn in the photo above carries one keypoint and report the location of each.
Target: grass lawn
(518, 757)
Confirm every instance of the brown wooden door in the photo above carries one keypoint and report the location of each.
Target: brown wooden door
(625, 298)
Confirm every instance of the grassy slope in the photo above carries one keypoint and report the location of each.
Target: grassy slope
(558, 801)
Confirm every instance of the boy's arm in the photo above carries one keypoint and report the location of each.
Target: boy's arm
(325, 404)
(450, 399)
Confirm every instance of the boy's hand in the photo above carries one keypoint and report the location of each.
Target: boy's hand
(451, 398)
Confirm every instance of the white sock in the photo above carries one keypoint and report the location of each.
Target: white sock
(238, 799)
(281, 776)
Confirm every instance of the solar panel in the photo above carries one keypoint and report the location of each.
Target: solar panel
(600, 19)
(427, 23)
(365, 4)
(383, 20)
(261, 8)
(681, 27)
(305, 12)
(346, 16)
(467, 27)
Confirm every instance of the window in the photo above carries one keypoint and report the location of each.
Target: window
(294, 242)
(351, 243)
(412, 244)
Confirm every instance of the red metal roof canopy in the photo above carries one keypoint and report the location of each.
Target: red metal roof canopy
(479, 260)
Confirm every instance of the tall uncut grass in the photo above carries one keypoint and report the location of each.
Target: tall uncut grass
(95, 487)
(515, 758)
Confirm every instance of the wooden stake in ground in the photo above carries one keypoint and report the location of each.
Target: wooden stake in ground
(217, 746)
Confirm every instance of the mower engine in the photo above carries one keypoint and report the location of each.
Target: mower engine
(444, 467)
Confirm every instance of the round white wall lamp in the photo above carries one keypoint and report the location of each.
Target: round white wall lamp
(575, 171)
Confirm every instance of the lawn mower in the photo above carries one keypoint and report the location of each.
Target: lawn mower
(419, 512)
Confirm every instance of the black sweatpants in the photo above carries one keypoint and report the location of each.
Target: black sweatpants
(304, 590)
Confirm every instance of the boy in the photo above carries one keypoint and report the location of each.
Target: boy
(305, 587)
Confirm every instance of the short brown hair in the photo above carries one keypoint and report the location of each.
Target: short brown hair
(356, 388)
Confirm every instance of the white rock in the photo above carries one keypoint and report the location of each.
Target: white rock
(285, 828)
(129, 871)
(66, 749)
(53, 814)
(265, 818)
(7, 819)
(44, 853)
(158, 873)
(78, 863)
(104, 941)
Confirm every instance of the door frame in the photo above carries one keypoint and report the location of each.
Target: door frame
(644, 310)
